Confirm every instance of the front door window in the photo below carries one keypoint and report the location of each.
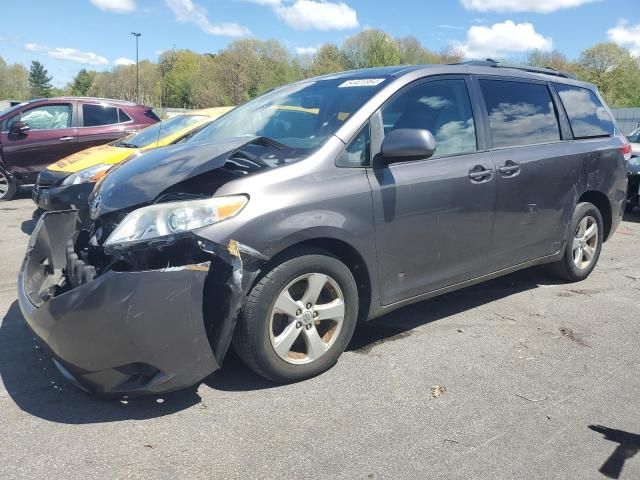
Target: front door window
(46, 117)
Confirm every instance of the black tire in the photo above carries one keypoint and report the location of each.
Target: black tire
(8, 186)
(566, 268)
(252, 340)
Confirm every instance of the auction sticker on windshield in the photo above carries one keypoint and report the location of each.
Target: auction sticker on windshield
(363, 82)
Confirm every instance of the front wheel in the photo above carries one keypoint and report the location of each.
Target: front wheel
(584, 244)
(299, 317)
(8, 186)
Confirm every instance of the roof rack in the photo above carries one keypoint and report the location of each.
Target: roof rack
(527, 68)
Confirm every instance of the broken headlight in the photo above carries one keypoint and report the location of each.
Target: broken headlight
(166, 219)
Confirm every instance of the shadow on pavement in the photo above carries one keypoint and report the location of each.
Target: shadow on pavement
(401, 322)
(29, 225)
(633, 216)
(36, 386)
(628, 446)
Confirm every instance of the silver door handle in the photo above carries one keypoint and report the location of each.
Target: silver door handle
(130, 131)
(66, 139)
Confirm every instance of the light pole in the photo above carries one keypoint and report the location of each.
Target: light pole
(137, 35)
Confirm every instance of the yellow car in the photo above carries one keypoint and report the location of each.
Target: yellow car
(68, 182)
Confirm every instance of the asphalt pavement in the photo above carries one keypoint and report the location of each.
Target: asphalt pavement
(520, 377)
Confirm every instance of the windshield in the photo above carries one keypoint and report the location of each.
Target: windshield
(159, 130)
(634, 137)
(300, 116)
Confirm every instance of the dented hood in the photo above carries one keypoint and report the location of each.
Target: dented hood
(143, 178)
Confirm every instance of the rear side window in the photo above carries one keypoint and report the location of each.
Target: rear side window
(96, 115)
(152, 115)
(587, 115)
(123, 116)
(520, 113)
(443, 107)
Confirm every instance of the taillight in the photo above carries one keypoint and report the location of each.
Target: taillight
(626, 151)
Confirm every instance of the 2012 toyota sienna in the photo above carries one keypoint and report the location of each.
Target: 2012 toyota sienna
(314, 206)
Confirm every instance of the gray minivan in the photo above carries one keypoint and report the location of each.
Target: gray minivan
(320, 204)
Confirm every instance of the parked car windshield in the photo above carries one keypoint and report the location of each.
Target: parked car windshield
(634, 137)
(159, 130)
(300, 116)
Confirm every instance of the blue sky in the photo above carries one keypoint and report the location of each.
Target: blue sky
(67, 35)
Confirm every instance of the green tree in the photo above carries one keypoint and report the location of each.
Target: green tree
(411, 52)
(39, 80)
(615, 72)
(13, 81)
(371, 48)
(451, 55)
(328, 59)
(82, 83)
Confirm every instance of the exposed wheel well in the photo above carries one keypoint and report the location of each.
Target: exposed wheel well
(601, 202)
(347, 255)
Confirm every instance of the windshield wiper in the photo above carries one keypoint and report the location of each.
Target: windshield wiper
(127, 145)
(269, 142)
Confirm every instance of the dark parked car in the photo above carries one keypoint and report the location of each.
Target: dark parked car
(36, 133)
(321, 203)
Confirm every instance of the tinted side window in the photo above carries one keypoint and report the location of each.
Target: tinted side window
(46, 117)
(443, 107)
(357, 152)
(587, 115)
(520, 113)
(95, 115)
(123, 116)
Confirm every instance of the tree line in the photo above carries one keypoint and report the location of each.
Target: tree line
(249, 67)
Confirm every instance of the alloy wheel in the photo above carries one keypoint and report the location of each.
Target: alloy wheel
(306, 318)
(585, 242)
(4, 184)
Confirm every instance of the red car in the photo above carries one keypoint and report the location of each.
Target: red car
(39, 132)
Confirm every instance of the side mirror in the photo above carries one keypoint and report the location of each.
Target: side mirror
(407, 144)
(19, 128)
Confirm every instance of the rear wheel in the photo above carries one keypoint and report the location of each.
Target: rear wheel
(583, 245)
(298, 319)
(8, 186)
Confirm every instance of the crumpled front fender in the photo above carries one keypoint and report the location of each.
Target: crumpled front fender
(134, 332)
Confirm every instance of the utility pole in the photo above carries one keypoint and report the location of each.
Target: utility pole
(137, 35)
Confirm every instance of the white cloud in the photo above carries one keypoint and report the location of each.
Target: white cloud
(75, 55)
(626, 35)
(539, 6)
(117, 6)
(306, 50)
(188, 12)
(450, 27)
(34, 47)
(318, 15)
(68, 54)
(123, 61)
(502, 39)
(313, 14)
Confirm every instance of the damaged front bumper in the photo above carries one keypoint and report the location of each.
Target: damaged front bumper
(63, 197)
(131, 330)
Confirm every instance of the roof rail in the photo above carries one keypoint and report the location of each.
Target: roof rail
(93, 99)
(527, 68)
